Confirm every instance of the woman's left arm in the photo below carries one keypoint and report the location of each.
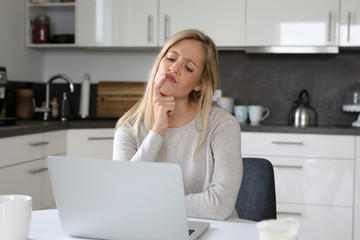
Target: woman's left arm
(218, 201)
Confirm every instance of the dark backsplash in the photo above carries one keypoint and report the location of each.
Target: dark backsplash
(273, 81)
(56, 91)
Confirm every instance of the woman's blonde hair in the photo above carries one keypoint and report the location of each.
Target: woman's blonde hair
(143, 110)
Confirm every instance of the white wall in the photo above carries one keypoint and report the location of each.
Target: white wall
(101, 65)
(22, 64)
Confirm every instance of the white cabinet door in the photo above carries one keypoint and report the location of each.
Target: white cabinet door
(350, 23)
(223, 21)
(357, 192)
(116, 23)
(90, 143)
(19, 149)
(23, 179)
(314, 181)
(292, 23)
(320, 222)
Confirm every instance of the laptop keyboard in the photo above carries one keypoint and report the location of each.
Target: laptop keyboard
(191, 231)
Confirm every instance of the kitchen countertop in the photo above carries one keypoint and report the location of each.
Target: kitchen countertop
(23, 127)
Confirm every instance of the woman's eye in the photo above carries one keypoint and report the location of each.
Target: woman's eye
(170, 59)
(188, 69)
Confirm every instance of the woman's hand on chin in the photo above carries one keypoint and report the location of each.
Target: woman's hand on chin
(164, 106)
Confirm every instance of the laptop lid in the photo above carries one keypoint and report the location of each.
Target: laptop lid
(118, 199)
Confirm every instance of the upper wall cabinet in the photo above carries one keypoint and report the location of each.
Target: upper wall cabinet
(116, 23)
(223, 21)
(350, 23)
(292, 23)
(61, 22)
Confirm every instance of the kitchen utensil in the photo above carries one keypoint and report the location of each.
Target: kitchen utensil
(302, 114)
(257, 114)
(15, 212)
(116, 98)
(24, 103)
(241, 113)
(227, 103)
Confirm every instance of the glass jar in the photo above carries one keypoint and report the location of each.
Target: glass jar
(41, 31)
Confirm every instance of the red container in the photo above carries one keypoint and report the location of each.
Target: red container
(41, 31)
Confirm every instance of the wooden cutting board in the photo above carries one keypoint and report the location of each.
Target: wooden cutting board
(116, 98)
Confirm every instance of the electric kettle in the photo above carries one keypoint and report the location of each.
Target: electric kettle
(302, 114)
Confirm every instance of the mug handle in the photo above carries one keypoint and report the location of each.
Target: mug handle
(267, 113)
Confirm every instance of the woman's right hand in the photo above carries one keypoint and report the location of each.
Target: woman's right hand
(163, 106)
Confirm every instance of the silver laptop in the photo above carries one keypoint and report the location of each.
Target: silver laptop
(106, 199)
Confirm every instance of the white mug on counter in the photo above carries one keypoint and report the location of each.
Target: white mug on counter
(257, 114)
(15, 215)
(279, 229)
(241, 113)
(226, 103)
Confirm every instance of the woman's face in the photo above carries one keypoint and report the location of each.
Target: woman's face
(183, 66)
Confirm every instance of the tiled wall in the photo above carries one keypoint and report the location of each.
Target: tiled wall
(275, 81)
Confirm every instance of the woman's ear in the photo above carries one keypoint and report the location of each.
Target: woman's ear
(198, 87)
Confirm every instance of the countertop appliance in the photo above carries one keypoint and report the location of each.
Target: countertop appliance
(302, 114)
(3, 81)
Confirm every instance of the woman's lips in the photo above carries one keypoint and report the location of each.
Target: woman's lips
(170, 77)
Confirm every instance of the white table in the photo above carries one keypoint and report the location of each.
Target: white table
(45, 225)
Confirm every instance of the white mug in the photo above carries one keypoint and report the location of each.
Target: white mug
(15, 215)
(241, 113)
(280, 229)
(257, 114)
(226, 103)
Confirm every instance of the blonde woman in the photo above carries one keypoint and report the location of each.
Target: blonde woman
(175, 122)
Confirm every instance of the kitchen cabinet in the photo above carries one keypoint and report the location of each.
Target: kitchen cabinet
(314, 177)
(116, 23)
(357, 192)
(90, 143)
(23, 166)
(350, 23)
(223, 21)
(62, 20)
(292, 23)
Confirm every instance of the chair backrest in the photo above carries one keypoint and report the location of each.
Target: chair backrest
(257, 198)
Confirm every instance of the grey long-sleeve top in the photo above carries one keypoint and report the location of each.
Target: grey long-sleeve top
(211, 180)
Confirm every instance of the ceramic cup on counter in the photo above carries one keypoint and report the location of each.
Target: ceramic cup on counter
(257, 114)
(15, 215)
(226, 103)
(280, 229)
(241, 113)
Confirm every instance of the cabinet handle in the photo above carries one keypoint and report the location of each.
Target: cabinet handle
(38, 170)
(330, 24)
(349, 24)
(150, 29)
(166, 37)
(100, 138)
(287, 143)
(38, 144)
(290, 213)
(288, 166)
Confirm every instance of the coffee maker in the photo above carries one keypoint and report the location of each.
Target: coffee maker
(3, 81)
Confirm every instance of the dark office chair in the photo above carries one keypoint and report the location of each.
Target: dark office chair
(256, 200)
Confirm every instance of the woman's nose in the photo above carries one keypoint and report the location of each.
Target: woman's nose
(175, 67)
